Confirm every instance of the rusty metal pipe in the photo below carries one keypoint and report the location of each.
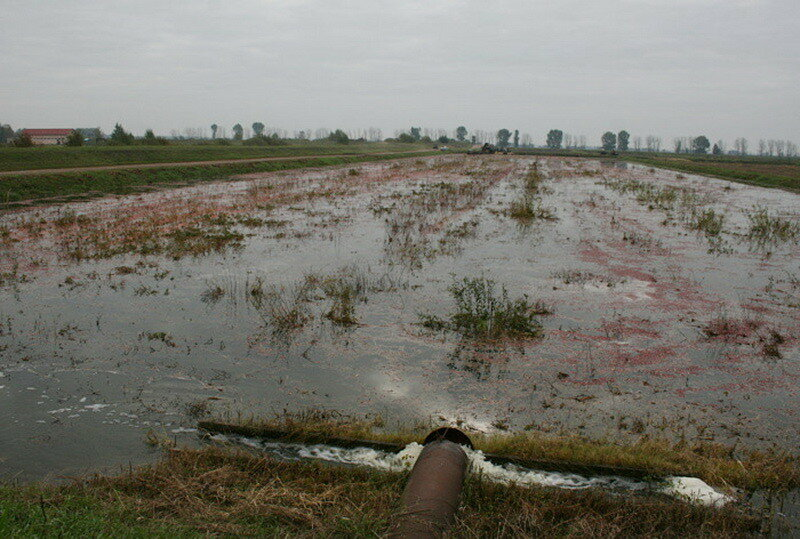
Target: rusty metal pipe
(430, 500)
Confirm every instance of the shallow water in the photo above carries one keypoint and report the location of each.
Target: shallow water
(93, 356)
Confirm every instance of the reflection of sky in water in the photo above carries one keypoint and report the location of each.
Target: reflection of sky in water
(151, 353)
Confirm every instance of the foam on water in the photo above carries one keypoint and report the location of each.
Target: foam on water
(690, 489)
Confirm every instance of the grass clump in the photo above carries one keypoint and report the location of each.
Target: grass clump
(483, 313)
(529, 207)
(766, 228)
(708, 221)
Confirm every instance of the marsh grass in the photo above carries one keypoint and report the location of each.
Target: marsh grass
(483, 312)
(528, 207)
(290, 308)
(708, 221)
(766, 228)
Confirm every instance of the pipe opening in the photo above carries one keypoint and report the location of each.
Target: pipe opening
(451, 435)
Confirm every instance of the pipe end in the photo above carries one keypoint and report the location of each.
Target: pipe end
(450, 434)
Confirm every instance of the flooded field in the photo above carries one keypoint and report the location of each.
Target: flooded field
(622, 300)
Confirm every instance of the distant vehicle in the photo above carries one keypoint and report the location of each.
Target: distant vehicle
(444, 149)
(486, 149)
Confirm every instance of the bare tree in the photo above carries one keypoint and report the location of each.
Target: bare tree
(740, 146)
(762, 147)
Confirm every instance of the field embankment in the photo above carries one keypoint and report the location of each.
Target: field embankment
(52, 187)
(223, 491)
(782, 173)
(46, 157)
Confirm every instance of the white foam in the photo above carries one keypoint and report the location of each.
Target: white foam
(96, 407)
(695, 490)
(689, 489)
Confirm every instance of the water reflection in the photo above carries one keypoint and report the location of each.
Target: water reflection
(484, 360)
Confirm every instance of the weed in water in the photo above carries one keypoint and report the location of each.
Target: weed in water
(212, 294)
(528, 207)
(482, 313)
(766, 228)
(708, 221)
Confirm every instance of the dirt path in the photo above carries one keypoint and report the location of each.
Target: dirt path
(38, 172)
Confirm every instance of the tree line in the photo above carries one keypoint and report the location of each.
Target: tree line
(555, 139)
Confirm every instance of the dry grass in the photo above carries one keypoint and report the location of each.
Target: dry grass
(223, 492)
(716, 464)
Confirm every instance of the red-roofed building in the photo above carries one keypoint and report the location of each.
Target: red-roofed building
(45, 137)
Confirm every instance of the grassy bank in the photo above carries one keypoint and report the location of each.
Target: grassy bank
(222, 491)
(782, 173)
(44, 157)
(714, 463)
(71, 185)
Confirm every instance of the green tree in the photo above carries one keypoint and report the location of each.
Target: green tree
(238, 132)
(717, 150)
(214, 128)
(416, 133)
(75, 138)
(516, 138)
(23, 140)
(461, 133)
(609, 141)
(339, 137)
(443, 139)
(623, 138)
(258, 129)
(554, 139)
(405, 137)
(700, 144)
(502, 137)
(6, 133)
(120, 136)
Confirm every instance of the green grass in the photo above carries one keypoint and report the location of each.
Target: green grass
(44, 157)
(781, 173)
(104, 182)
(214, 491)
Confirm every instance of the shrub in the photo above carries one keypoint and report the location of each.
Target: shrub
(22, 141)
(339, 136)
(75, 138)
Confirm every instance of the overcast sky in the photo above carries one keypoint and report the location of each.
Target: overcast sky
(724, 68)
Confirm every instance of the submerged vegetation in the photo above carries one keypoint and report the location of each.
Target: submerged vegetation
(529, 205)
(770, 229)
(482, 313)
(289, 308)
